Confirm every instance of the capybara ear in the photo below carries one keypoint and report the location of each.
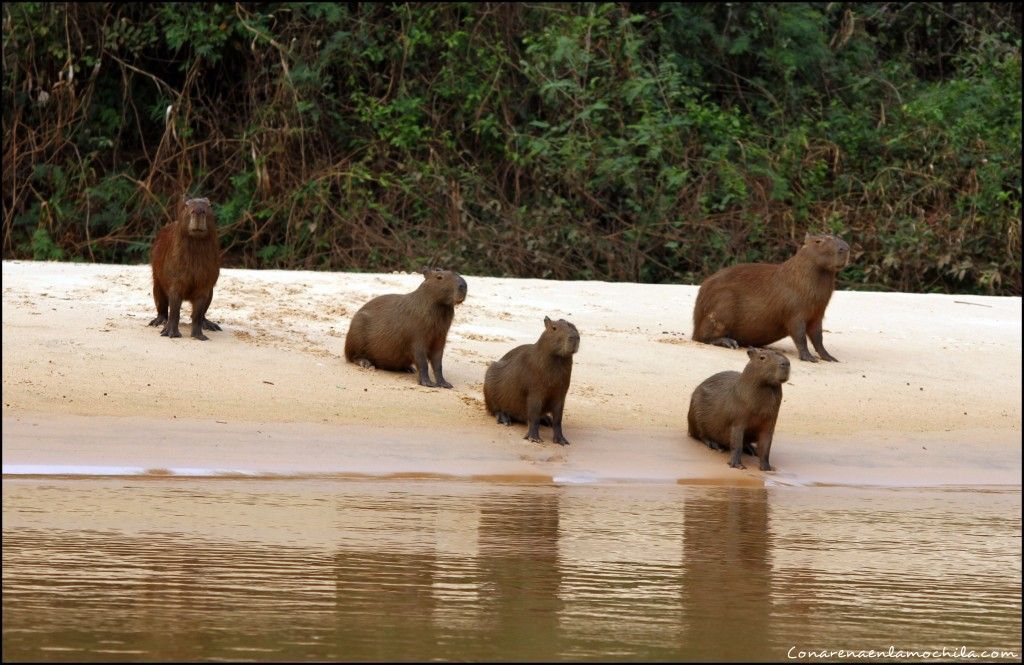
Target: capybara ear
(547, 322)
(807, 237)
(751, 352)
(425, 271)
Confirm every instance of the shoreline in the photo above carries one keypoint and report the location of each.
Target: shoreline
(927, 393)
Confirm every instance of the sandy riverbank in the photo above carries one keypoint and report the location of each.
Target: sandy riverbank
(928, 391)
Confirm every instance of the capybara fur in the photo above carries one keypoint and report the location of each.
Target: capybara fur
(755, 304)
(186, 264)
(732, 410)
(396, 332)
(530, 381)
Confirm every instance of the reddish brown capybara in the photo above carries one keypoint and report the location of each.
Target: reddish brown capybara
(755, 304)
(731, 410)
(396, 332)
(530, 381)
(186, 265)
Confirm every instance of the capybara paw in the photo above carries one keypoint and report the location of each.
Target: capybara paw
(210, 325)
(443, 384)
(200, 336)
(561, 440)
(170, 333)
(364, 363)
(808, 357)
(767, 467)
(829, 357)
(158, 321)
(533, 437)
(504, 419)
(426, 383)
(737, 465)
(727, 342)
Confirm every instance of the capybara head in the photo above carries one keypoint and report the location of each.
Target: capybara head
(198, 217)
(827, 251)
(561, 337)
(446, 286)
(769, 366)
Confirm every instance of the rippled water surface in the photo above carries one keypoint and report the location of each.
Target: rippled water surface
(150, 569)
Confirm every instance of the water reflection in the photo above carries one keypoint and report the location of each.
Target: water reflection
(727, 571)
(110, 569)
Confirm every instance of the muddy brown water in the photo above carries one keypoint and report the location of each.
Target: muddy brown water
(130, 569)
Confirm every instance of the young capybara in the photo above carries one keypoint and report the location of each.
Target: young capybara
(396, 332)
(186, 264)
(754, 304)
(530, 381)
(730, 410)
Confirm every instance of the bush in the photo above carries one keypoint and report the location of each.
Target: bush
(617, 141)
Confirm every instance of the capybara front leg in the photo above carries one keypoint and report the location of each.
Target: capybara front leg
(814, 331)
(173, 314)
(736, 443)
(556, 424)
(199, 306)
(504, 418)
(798, 331)
(764, 447)
(727, 342)
(160, 298)
(533, 419)
(435, 362)
(421, 366)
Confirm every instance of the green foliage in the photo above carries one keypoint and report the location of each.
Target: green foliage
(620, 141)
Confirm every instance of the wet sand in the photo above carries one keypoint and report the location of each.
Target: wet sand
(928, 391)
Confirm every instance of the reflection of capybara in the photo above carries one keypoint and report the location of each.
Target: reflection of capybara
(730, 410)
(186, 264)
(754, 304)
(395, 331)
(531, 380)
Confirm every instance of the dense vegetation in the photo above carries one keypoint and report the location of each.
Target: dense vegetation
(651, 142)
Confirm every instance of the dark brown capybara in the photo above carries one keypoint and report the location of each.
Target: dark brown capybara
(731, 410)
(186, 265)
(755, 304)
(396, 332)
(530, 381)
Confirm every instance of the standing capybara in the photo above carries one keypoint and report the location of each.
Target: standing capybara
(395, 331)
(754, 304)
(186, 264)
(530, 381)
(730, 410)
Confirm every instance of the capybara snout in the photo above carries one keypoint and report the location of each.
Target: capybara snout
(199, 216)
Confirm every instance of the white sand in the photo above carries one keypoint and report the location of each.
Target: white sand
(928, 390)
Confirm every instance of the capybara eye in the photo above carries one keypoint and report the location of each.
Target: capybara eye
(440, 276)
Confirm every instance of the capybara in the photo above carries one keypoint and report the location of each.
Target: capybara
(755, 304)
(530, 381)
(730, 410)
(186, 265)
(396, 332)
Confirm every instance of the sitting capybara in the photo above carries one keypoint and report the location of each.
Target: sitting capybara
(730, 410)
(530, 381)
(186, 264)
(395, 331)
(754, 304)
